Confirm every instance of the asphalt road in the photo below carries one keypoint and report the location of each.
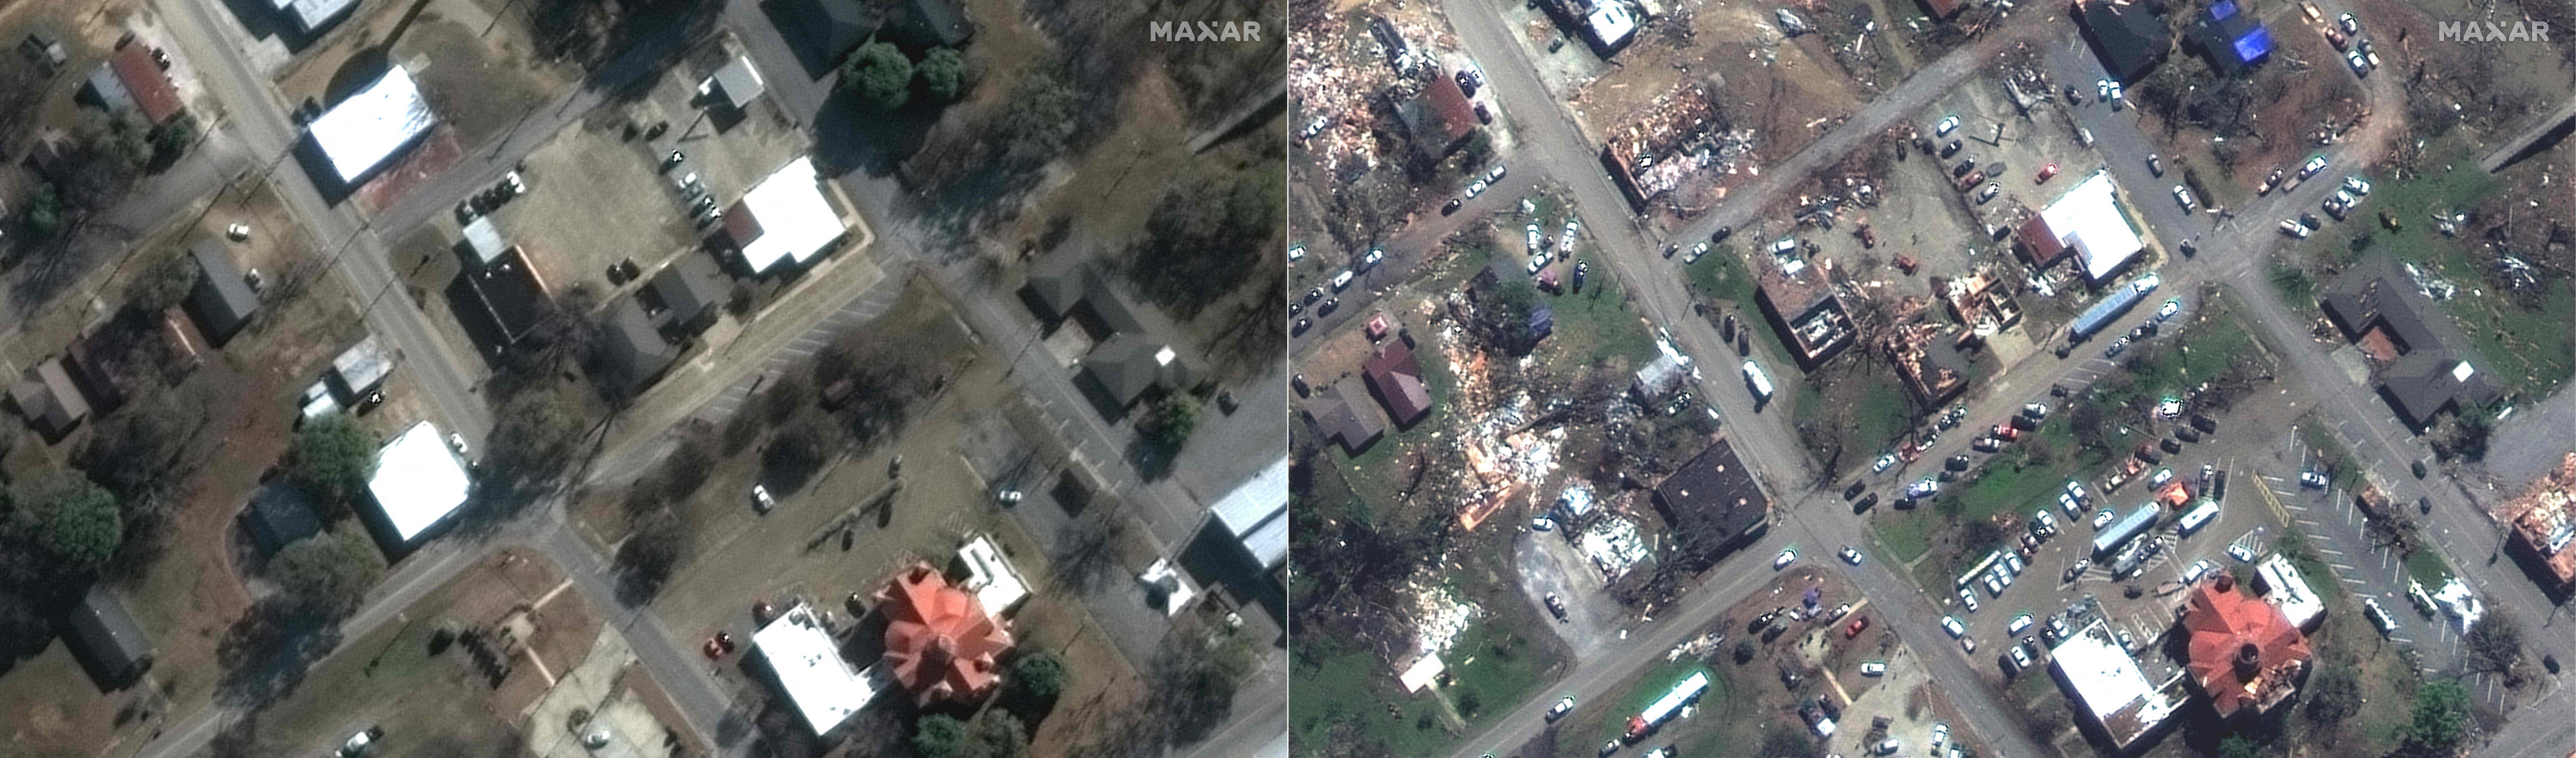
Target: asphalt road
(256, 116)
(2230, 255)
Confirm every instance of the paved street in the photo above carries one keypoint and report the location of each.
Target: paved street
(2230, 254)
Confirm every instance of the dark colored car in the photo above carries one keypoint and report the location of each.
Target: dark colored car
(2418, 468)
(1451, 206)
(1865, 502)
(1854, 490)
(1722, 233)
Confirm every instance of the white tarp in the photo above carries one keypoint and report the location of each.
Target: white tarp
(367, 128)
(418, 481)
(795, 221)
(809, 665)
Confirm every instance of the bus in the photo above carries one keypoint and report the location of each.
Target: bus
(2199, 517)
(1757, 381)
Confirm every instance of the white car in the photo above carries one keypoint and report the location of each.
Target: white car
(2161, 476)
(2295, 230)
(2314, 165)
(760, 498)
(1495, 175)
(1994, 586)
(1951, 624)
(1851, 555)
(2312, 479)
(2019, 623)
(1873, 668)
(2356, 185)
(1563, 706)
(1374, 257)
(2075, 488)
(1537, 262)
(1342, 280)
(2021, 660)
(1476, 188)
(2240, 553)
(1988, 193)
(1947, 123)
(2168, 310)
(1296, 253)
(1968, 598)
(1566, 242)
(1535, 238)
(2183, 198)
(2105, 518)
(1940, 736)
(1695, 252)
(2198, 569)
(1785, 558)
(1925, 487)
(2350, 24)
(2036, 411)
(1883, 462)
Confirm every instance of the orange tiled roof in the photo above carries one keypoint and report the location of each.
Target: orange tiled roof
(2227, 627)
(940, 642)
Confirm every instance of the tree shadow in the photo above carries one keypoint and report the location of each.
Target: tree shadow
(268, 652)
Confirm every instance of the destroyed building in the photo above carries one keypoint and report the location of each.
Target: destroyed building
(1800, 300)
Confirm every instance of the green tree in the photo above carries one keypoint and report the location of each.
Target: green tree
(2333, 695)
(44, 211)
(1038, 678)
(2441, 719)
(328, 572)
(881, 75)
(331, 460)
(939, 735)
(126, 141)
(2236, 746)
(2495, 642)
(1042, 119)
(1503, 313)
(997, 734)
(1205, 231)
(171, 139)
(943, 74)
(539, 432)
(1173, 419)
(164, 282)
(73, 519)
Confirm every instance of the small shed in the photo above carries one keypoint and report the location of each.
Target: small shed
(222, 300)
(49, 399)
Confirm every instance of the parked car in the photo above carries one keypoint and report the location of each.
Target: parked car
(1851, 555)
(357, 743)
(2182, 197)
(1873, 668)
(2045, 173)
(760, 499)
(1951, 624)
(1786, 557)
(2241, 553)
(2312, 480)
(1947, 124)
(1563, 706)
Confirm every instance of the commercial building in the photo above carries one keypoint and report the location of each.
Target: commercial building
(941, 643)
(1395, 377)
(2544, 526)
(309, 16)
(1799, 299)
(419, 482)
(2244, 654)
(364, 131)
(784, 218)
(1256, 513)
(361, 369)
(2424, 359)
(2086, 224)
(806, 660)
(510, 297)
(631, 353)
(2110, 695)
(1714, 503)
(2282, 585)
(684, 295)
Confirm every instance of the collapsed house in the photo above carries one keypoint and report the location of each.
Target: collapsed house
(1924, 365)
(1802, 303)
(1675, 145)
(2543, 519)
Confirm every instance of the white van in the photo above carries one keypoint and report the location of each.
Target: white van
(2199, 517)
(1756, 380)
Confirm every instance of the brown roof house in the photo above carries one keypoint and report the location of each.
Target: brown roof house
(1439, 119)
(49, 399)
(131, 80)
(2544, 529)
(1395, 377)
(1340, 415)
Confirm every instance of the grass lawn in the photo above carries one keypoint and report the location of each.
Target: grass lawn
(1865, 406)
(2329, 451)
(1904, 539)
(2172, 364)
(1721, 274)
(1363, 691)
(1594, 326)
(1649, 686)
(2426, 567)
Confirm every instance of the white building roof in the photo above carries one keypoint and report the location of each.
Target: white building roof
(485, 238)
(2088, 218)
(1256, 513)
(1422, 673)
(2287, 590)
(418, 481)
(990, 575)
(312, 14)
(1611, 22)
(362, 131)
(363, 365)
(821, 684)
(2105, 682)
(795, 221)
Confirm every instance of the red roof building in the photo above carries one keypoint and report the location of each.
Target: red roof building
(1395, 376)
(940, 643)
(2245, 655)
(143, 80)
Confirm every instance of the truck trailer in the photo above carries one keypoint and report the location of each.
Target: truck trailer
(2111, 307)
(1683, 693)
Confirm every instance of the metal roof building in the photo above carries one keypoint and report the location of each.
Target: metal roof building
(369, 127)
(783, 218)
(419, 482)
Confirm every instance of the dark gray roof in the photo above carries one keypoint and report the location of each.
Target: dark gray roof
(2428, 376)
(2425, 382)
(1339, 415)
(631, 352)
(1129, 364)
(221, 300)
(932, 23)
(688, 287)
(278, 516)
(1714, 494)
(2128, 36)
(107, 636)
(1055, 288)
(51, 402)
